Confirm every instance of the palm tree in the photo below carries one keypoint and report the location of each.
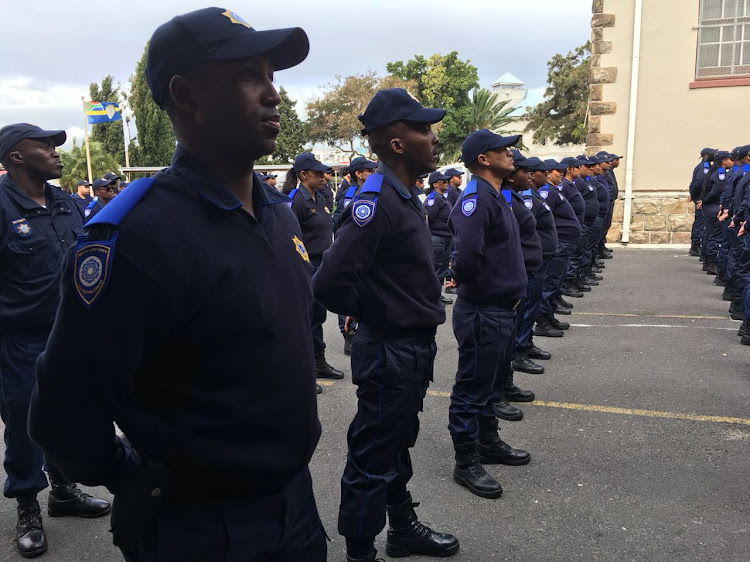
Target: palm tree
(74, 164)
(488, 112)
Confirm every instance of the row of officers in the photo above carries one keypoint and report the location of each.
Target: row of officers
(197, 278)
(720, 190)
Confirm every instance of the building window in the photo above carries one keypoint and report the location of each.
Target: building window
(724, 39)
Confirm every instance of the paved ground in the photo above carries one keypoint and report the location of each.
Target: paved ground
(640, 437)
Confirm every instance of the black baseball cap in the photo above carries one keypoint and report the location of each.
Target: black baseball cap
(396, 104)
(307, 161)
(483, 140)
(11, 135)
(559, 166)
(450, 172)
(531, 164)
(422, 176)
(604, 156)
(102, 182)
(111, 176)
(438, 176)
(570, 162)
(83, 182)
(361, 163)
(519, 160)
(706, 151)
(721, 154)
(185, 41)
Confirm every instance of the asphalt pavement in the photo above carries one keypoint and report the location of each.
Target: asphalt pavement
(640, 437)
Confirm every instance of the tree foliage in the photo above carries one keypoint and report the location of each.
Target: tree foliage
(489, 113)
(155, 141)
(74, 163)
(293, 135)
(561, 117)
(109, 135)
(332, 118)
(443, 81)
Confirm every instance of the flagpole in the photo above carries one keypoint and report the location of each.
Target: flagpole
(125, 135)
(86, 130)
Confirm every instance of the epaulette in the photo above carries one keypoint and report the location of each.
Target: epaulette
(292, 193)
(528, 198)
(544, 191)
(363, 209)
(431, 199)
(349, 195)
(92, 265)
(469, 198)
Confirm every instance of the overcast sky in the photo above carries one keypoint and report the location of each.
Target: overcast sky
(53, 51)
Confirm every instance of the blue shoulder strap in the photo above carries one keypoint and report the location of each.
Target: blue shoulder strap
(350, 192)
(117, 209)
(292, 193)
(507, 195)
(527, 193)
(431, 195)
(469, 198)
(363, 209)
(91, 204)
(706, 167)
(471, 189)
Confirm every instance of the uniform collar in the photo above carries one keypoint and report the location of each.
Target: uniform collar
(384, 170)
(487, 186)
(204, 182)
(306, 194)
(23, 200)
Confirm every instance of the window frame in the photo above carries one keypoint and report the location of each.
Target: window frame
(737, 71)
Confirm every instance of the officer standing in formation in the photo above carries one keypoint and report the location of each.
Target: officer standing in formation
(438, 209)
(700, 173)
(82, 196)
(380, 271)
(201, 280)
(38, 223)
(309, 205)
(105, 190)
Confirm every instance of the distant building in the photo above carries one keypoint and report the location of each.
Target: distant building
(509, 87)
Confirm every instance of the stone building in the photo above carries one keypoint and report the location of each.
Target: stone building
(669, 77)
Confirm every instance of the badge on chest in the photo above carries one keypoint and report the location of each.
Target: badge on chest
(22, 228)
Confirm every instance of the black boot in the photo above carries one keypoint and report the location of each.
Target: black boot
(507, 411)
(557, 324)
(581, 286)
(571, 290)
(406, 535)
(30, 538)
(726, 294)
(560, 309)
(68, 499)
(369, 558)
(745, 340)
(514, 394)
(524, 364)
(534, 352)
(544, 328)
(695, 250)
(347, 343)
(470, 473)
(711, 268)
(493, 450)
(718, 280)
(563, 302)
(743, 329)
(735, 309)
(325, 371)
(318, 389)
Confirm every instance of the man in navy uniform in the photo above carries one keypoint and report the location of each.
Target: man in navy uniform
(700, 174)
(211, 380)
(38, 223)
(438, 210)
(105, 190)
(82, 196)
(488, 266)
(454, 181)
(380, 270)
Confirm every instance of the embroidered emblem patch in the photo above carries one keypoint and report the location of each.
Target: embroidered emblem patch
(347, 202)
(92, 269)
(529, 203)
(22, 228)
(300, 247)
(430, 202)
(468, 207)
(363, 211)
(722, 175)
(234, 18)
(544, 194)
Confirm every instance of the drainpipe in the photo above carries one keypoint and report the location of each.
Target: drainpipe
(628, 210)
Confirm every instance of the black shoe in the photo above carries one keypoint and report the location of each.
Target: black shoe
(711, 268)
(318, 389)
(572, 291)
(515, 394)
(743, 329)
(525, 365)
(719, 281)
(695, 250)
(745, 339)
(560, 309)
(606, 257)
(596, 270)
(563, 302)
(589, 282)
(507, 411)
(727, 294)
(445, 300)
(406, 535)
(470, 473)
(325, 371)
(582, 286)
(594, 277)
(493, 450)
(534, 352)
(69, 499)
(599, 264)
(450, 290)
(705, 265)
(30, 538)
(544, 328)
(369, 558)
(347, 343)
(557, 324)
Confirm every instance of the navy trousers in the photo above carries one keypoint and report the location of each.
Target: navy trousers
(441, 249)
(525, 323)
(722, 259)
(746, 292)
(392, 373)
(742, 266)
(713, 232)
(281, 527)
(318, 315)
(595, 232)
(485, 335)
(576, 259)
(699, 224)
(558, 268)
(23, 459)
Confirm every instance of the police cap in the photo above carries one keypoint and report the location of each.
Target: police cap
(213, 34)
(11, 135)
(559, 166)
(721, 154)
(361, 163)
(83, 182)
(438, 176)
(307, 161)
(483, 140)
(450, 172)
(570, 162)
(102, 182)
(396, 104)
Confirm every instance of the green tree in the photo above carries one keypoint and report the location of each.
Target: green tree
(332, 118)
(108, 134)
(561, 117)
(488, 112)
(74, 163)
(155, 141)
(293, 135)
(443, 81)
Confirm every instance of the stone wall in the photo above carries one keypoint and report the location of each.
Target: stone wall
(657, 218)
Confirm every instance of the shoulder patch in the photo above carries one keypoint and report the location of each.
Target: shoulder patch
(92, 269)
(468, 206)
(430, 201)
(722, 175)
(363, 211)
(543, 193)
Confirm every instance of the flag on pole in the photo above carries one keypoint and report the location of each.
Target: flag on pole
(102, 112)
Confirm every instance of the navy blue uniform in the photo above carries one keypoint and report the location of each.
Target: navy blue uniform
(597, 227)
(453, 194)
(574, 197)
(531, 245)
(92, 209)
(590, 200)
(82, 203)
(711, 195)
(380, 269)
(489, 268)
(207, 368)
(33, 242)
(438, 210)
(695, 188)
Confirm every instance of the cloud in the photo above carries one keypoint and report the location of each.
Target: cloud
(74, 133)
(47, 104)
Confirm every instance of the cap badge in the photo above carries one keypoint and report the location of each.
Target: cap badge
(300, 247)
(234, 18)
